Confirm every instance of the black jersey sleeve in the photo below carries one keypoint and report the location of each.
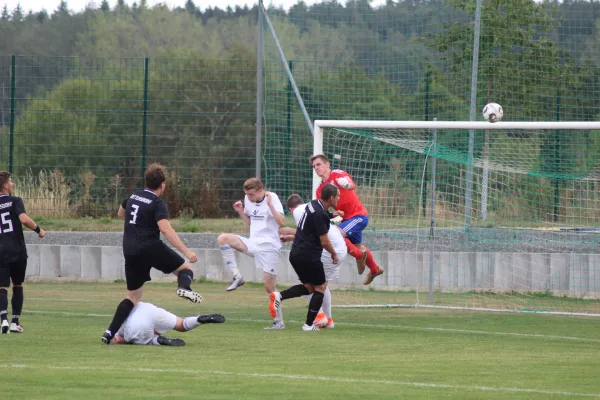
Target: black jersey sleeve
(124, 203)
(18, 206)
(160, 211)
(322, 222)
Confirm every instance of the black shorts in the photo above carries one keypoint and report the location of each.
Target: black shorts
(158, 255)
(309, 270)
(14, 271)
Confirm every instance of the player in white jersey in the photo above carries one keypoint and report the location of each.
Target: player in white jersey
(147, 323)
(264, 213)
(332, 271)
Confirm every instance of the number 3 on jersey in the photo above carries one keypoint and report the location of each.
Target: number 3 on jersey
(6, 224)
(134, 213)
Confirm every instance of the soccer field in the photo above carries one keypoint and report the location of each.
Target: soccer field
(371, 353)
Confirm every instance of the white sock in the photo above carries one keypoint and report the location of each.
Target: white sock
(229, 258)
(190, 323)
(308, 297)
(327, 303)
(279, 315)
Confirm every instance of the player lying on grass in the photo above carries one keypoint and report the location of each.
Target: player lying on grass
(354, 214)
(332, 271)
(147, 323)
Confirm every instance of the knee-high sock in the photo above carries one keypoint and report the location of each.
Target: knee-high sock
(185, 279)
(229, 259)
(352, 249)
(313, 307)
(327, 303)
(371, 264)
(3, 304)
(308, 302)
(294, 291)
(123, 310)
(16, 302)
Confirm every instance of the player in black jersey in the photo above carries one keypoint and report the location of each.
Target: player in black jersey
(13, 253)
(305, 256)
(146, 216)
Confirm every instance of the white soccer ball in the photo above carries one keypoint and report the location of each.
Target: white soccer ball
(492, 112)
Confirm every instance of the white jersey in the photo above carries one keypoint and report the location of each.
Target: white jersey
(144, 320)
(263, 226)
(334, 234)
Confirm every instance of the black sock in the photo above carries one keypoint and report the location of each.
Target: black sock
(294, 291)
(313, 307)
(185, 278)
(16, 302)
(3, 304)
(123, 310)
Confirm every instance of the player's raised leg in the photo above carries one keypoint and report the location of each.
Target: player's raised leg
(228, 242)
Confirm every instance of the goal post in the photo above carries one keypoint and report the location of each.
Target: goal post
(536, 250)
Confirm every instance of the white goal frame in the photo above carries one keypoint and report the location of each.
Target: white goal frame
(471, 126)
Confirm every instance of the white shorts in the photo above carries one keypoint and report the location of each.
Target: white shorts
(266, 256)
(332, 271)
(144, 320)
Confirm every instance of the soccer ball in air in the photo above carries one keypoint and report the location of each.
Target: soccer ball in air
(492, 112)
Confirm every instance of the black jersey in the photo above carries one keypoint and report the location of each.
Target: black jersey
(313, 223)
(143, 210)
(12, 242)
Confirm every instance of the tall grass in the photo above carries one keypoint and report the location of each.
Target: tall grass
(46, 194)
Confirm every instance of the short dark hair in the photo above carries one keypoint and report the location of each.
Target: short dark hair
(316, 156)
(4, 178)
(294, 201)
(155, 175)
(253, 183)
(328, 191)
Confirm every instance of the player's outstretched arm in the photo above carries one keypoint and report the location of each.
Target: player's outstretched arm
(169, 233)
(28, 222)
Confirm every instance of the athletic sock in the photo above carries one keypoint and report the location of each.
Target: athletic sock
(3, 304)
(190, 323)
(321, 310)
(313, 308)
(185, 278)
(371, 264)
(123, 310)
(16, 302)
(353, 250)
(229, 258)
(294, 291)
(327, 303)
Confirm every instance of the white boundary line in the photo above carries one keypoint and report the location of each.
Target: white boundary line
(405, 327)
(312, 378)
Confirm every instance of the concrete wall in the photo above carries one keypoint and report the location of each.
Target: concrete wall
(561, 273)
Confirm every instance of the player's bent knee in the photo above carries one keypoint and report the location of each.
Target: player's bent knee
(179, 325)
(225, 238)
(183, 266)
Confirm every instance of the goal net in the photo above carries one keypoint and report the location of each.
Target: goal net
(474, 215)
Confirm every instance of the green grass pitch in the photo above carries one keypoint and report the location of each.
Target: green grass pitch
(371, 353)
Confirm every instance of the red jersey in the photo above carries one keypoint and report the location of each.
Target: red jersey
(349, 202)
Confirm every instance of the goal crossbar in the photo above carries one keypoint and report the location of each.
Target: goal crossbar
(465, 125)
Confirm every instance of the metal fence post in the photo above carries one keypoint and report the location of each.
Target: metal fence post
(13, 81)
(145, 116)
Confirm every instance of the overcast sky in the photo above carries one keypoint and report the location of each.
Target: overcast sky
(78, 5)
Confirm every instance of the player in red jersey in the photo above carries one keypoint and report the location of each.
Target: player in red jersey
(355, 217)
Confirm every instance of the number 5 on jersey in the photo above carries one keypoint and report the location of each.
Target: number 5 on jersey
(134, 213)
(6, 225)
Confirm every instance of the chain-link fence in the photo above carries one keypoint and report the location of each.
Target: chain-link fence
(77, 133)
